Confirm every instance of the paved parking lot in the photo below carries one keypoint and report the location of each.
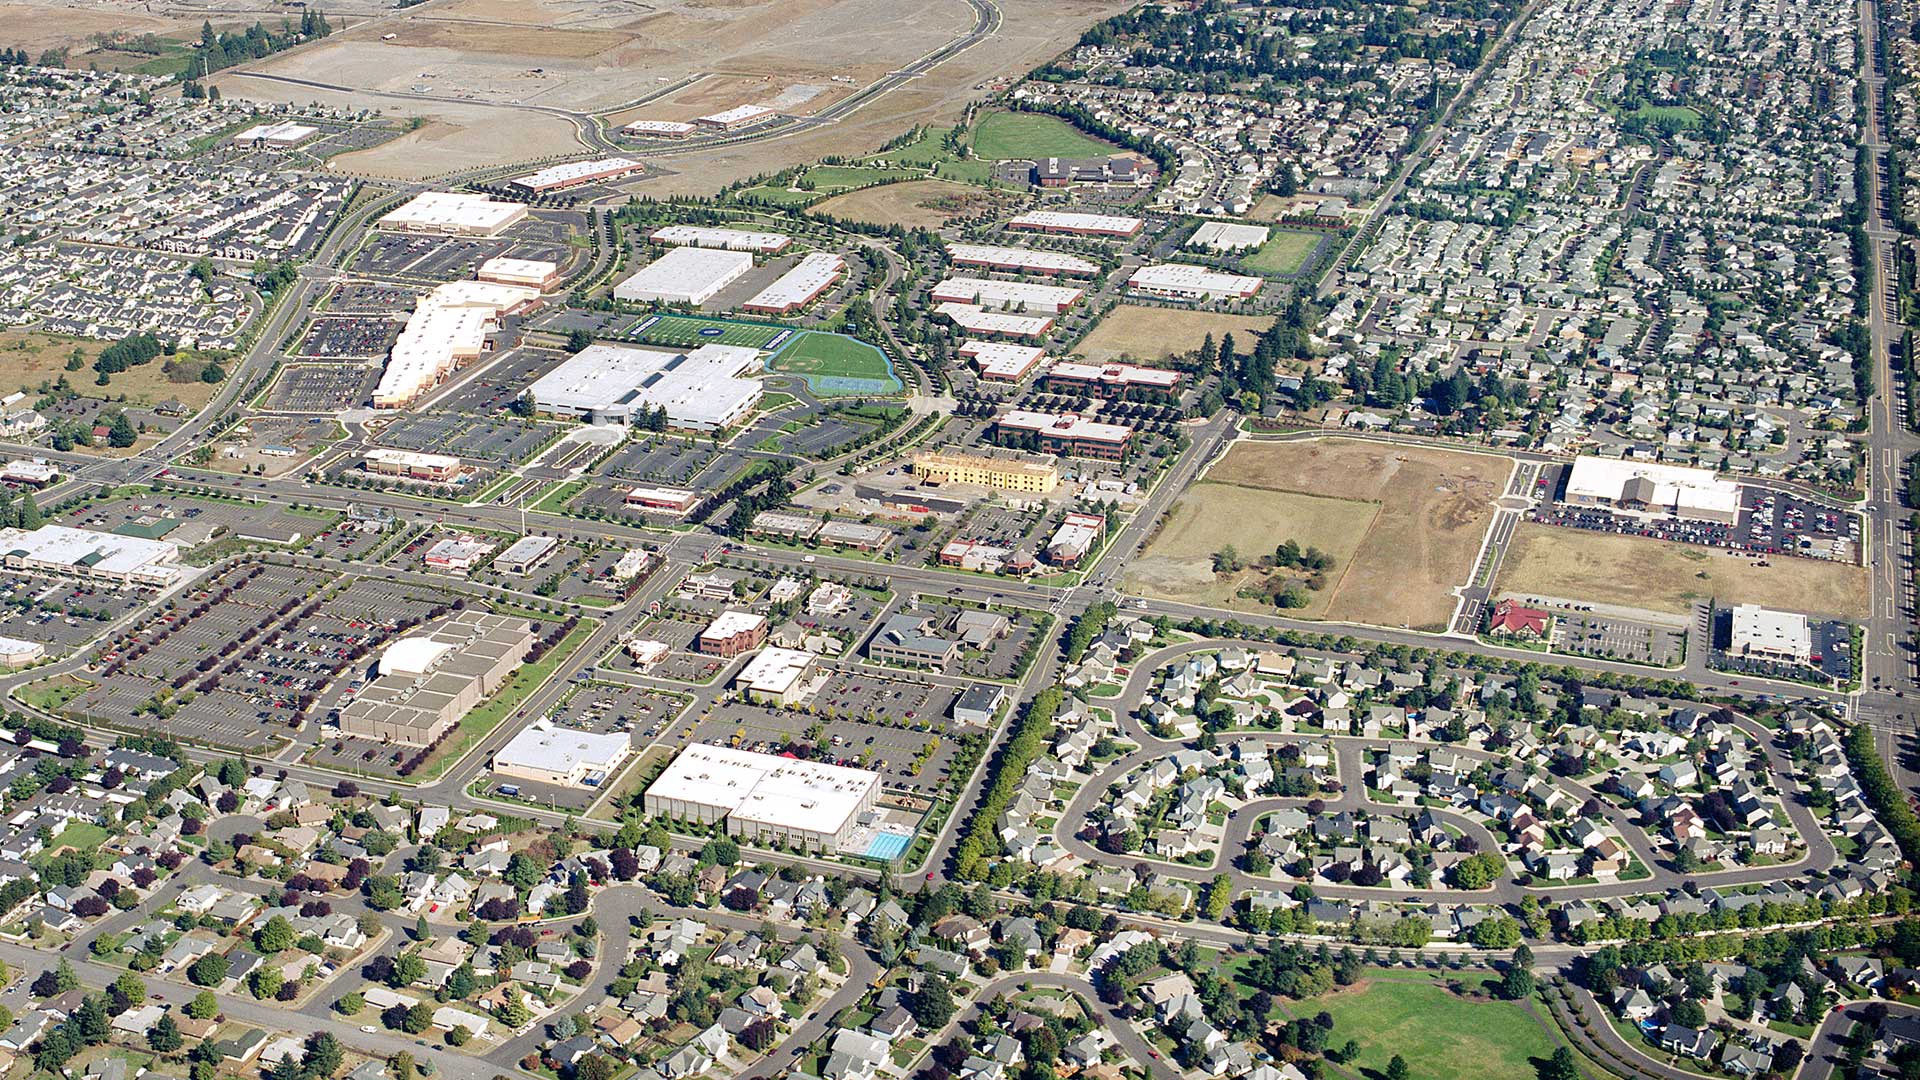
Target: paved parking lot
(660, 459)
(59, 614)
(504, 440)
(320, 388)
(350, 337)
(367, 296)
(502, 382)
(1590, 634)
(1770, 523)
(191, 521)
(890, 751)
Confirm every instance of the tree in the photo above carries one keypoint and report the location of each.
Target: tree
(127, 992)
(120, 433)
(30, 516)
(932, 1005)
(324, 1055)
(276, 936)
(578, 340)
(350, 1004)
(209, 970)
(522, 872)
(400, 1066)
(204, 1006)
(265, 982)
(1560, 1066)
(164, 1037)
(1516, 984)
(1397, 1068)
(1688, 1013)
(418, 1019)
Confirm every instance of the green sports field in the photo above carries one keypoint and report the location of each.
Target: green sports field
(835, 363)
(689, 330)
(1284, 254)
(1000, 136)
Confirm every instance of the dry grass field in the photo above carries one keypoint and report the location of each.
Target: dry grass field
(34, 27)
(1150, 333)
(914, 204)
(28, 359)
(1431, 511)
(1637, 572)
(1178, 564)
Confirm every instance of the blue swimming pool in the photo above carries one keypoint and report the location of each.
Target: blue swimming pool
(887, 846)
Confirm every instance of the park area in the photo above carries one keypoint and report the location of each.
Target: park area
(1151, 334)
(1660, 575)
(1003, 136)
(1285, 253)
(835, 365)
(1404, 526)
(1441, 1034)
(923, 204)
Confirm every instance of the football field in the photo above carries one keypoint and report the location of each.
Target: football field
(688, 331)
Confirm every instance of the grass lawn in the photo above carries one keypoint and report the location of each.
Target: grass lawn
(475, 725)
(1681, 115)
(1150, 334)
(835, 363)
(1002, 135)
(1285, 253)
(29, 358)
(52, 695)
(80, 836)
(1440, 1035)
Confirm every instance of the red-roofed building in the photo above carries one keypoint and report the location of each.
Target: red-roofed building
(1513, 620)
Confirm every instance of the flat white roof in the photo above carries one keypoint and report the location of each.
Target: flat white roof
(986, 292)
(738, 114)
(1774, 631)
(577, 171)
(413, 655)
(729, 623)
(527, 549)
(105, 553)
(455, 211)
(975, 319)
(1060, 219)
(448, 325)
(710, 237)
(1023, 258)
(518, 270)
(767, 789)
(691, 274)
(1192, 280)
(412, 458)
(1680, 486)
(809, 278)
(1118, 374)
(285, 133)
(703, 386)
(544, 747)
(661, 127)
(1002, 360)
(774, 670)
(1228, 236)
(1064, 425)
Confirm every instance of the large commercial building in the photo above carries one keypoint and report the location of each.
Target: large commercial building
(1003, 361)
(980, 322)
(90, 555)
(1111, 380)
(1075, 538)
(575, 173)
(1068, 433)
(412, 465)
(779, 676)
(1645, 487)
(1005, 474)
(451, 213)
(278, 136)
(448, 327)
(1764, 634)
(809, 279)
(760, 243)
(1226, 236)
(429, 681)
(1191, 284)
(664, 499)
(732, 633)
(526, 273)
(660, 129)
(685, 275)
(562, 757)
(736, 118)
(764, 796)
(1019, 296)
(1057, 221)
(705, 389)
(1021, 260)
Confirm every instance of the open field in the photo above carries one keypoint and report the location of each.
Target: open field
(29, 358)
(1638, 572)
(34, 27)
(690, 330)
(822, 181)
(927, 204)
(1439, 1034)
(998, 136)
(1285, 253)
(1434, 508)
(1178, 563)
(1150, 333)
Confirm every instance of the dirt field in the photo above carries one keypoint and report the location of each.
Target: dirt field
(1432, 510)
(34, 27)
(1148, 333)
(1178, 564)
(786, 43)
(916, 203)
(1638, 572)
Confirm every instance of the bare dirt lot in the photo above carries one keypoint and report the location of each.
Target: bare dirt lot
(34, 27)
(1178, 564)
(916, 203)
(1663, 576)
(483, 98)
(1150, 333)
(1432, 508)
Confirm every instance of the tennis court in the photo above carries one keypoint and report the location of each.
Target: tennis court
(686, 331)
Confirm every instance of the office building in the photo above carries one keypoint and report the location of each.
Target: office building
(1067, 433)
(1001, 361)
(1020, 260)
(1018, 296)
(1191, 284)
(1072, 224)
(780, 677)
(685, 275)
(563, 757)
(1222, 237)
(732, 633)
(1111, 380)
(707, 236)
(764, 796)
(574, 173)
(809, 279)
(738, 117)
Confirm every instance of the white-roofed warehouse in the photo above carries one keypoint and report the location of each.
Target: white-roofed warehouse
(686, 275)
(764, 796)
(565, 757)
(702, 390)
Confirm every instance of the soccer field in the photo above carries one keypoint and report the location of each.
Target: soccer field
(836, 364)
(689, 331)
